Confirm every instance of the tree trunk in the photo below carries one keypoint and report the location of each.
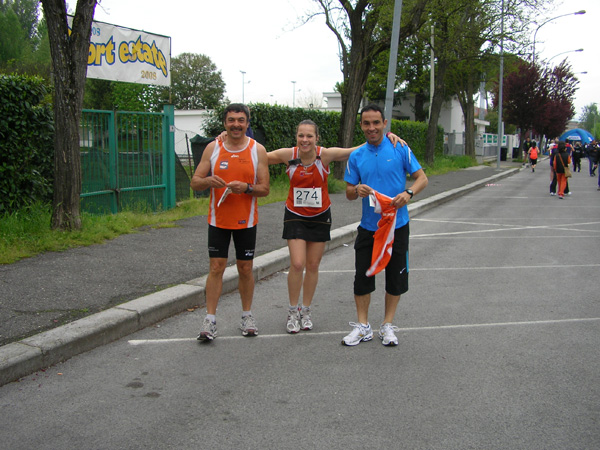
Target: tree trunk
(420, 112)
(69, 61)
(436, 107)
(467, 105)
(355, 82)
(469, 114)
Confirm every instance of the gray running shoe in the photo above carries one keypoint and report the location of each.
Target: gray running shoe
(208, 331)
(293, 321)
(386, 334)
(359, 334)
(305, 320)
(248, 326)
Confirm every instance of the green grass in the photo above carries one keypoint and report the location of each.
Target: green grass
(445, 164)
(27, 232)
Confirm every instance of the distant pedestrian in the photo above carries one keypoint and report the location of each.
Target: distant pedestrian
(526, 147)
(593, 155)
(532, 153)
(553, 177)
(578, 153)
(562, 159)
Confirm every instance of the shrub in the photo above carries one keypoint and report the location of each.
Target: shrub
(26, 142)
(275, 127)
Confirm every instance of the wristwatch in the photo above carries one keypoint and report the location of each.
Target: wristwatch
(249, 189)
(410, 192)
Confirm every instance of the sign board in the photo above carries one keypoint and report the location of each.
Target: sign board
(492, 139)
(125, 54)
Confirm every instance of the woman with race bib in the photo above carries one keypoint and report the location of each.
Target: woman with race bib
(307, 217)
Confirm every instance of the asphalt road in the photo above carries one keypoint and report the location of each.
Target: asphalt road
(498, 350)
(49, 290)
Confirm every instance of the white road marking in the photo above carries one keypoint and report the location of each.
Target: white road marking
(507, 227)
(424, 269)
(136, 342)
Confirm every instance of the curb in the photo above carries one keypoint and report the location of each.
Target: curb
(34, 353)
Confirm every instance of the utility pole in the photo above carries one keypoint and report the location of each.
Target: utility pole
(392, 64)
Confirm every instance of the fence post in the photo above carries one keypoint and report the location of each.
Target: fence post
(169, 155)
(113, 153)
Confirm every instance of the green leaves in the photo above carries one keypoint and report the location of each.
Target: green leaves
(26, 143)
(275, 127)
(196, 82)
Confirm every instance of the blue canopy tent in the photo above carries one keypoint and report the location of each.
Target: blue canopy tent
(577, 134)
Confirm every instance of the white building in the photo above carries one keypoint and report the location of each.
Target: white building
(188, 122)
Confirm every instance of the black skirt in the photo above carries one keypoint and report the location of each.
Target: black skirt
(311, 229)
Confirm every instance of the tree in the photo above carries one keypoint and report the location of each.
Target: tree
(363, 30)
(466, 33)
(12, 37)
(120, 95)
(19, 36)
(540, 98)
(69, 50)
(560, 86)
(27, 12)
(412, 74)
(590, 117)
(195, 82)
(523, 95)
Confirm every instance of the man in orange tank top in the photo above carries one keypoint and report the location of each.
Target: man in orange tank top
(236, 173)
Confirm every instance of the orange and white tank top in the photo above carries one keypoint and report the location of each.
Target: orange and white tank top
(308, 195)
(226, 209)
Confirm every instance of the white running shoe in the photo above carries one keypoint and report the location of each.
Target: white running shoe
(305, 320)
(293, 321)
(208, 331)
(386, 334)
(359, 334)
(248, 326)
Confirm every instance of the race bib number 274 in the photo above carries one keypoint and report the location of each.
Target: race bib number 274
(308, 197)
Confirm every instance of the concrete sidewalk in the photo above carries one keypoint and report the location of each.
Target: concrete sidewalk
(116, 283)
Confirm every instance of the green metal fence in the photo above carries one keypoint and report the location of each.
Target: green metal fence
(127, 161)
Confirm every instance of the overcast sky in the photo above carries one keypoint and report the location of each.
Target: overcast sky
(263, 38)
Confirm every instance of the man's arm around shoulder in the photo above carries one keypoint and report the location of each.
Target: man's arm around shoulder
(261, 188)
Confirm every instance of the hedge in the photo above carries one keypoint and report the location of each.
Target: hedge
(26, 142)
(275, 127)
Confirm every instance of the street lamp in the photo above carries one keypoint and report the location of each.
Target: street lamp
(243, 84)
(568, 51)
(294, 94)
(550, 20)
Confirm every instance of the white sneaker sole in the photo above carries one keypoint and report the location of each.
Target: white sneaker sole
(203, 337)
(363, 339)
(250, 333)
